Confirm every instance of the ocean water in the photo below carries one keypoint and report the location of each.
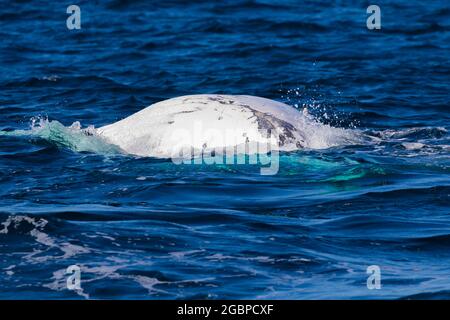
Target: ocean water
(143, 228)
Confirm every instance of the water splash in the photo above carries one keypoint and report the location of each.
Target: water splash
(73, 137)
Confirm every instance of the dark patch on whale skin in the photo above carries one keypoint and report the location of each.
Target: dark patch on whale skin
(194, 100)
(187, 111)
(221, 100)
(267, 124)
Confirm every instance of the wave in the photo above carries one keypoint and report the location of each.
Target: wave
(412, 133)
(23, 225)
(73, 137)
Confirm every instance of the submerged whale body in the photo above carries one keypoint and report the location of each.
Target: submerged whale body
(201, 122)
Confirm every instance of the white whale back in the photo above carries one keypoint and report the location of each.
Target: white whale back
(212, 121)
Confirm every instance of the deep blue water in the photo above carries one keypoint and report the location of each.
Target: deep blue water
(142, 228)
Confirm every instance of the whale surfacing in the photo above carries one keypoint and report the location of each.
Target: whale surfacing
(212, 121)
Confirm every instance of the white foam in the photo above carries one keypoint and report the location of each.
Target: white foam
(37, 232)
(412, 145)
